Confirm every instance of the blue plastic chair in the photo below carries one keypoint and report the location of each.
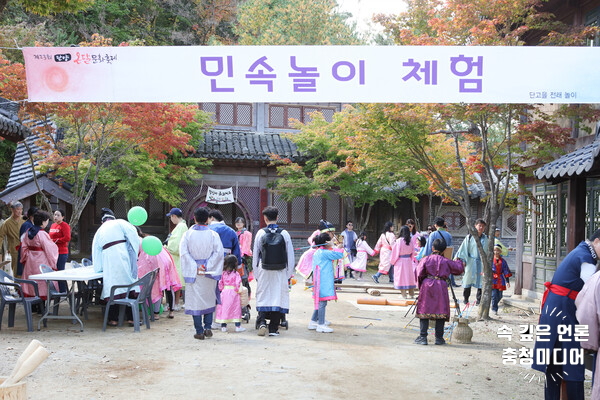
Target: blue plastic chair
(141, 300)
(18, 297)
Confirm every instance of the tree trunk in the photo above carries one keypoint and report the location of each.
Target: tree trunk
(45, 204)
(350, 210)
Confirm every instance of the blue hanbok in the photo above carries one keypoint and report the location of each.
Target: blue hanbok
(114, 251)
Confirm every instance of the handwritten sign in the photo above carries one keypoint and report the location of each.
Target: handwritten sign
(219, 196)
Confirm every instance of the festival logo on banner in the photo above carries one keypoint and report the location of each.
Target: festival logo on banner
(219, 196)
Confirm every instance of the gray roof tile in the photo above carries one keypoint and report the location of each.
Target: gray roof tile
(572, 164)
(245, 145)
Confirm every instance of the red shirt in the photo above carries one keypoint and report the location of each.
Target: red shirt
(61, 235)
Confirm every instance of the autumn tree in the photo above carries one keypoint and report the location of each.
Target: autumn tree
(331, 163)
(294, 22)
(486, 139)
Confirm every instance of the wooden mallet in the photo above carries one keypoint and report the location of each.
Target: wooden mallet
(26, 365)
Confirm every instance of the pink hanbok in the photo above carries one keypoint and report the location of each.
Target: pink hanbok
(384, 247)
(245, 239)
(363, 251)
(167, 277)
(404, 275)
(311, 238)
(305, 264)
(230, 309)
(39, 250)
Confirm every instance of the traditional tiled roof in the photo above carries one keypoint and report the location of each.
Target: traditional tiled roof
(21, 166)
(10, 126)
(242, 145)
(572, 164)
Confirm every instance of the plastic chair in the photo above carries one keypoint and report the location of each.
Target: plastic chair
(141, 300)
(12, 299)
(52, 292)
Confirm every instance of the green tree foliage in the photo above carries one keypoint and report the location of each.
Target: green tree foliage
(137, 173)
(7, 153)
(151, 22)
(47, 7)
(333, 163)
(294, 22)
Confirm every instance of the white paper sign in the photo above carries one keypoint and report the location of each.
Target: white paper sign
(309, 74)
(219, 196)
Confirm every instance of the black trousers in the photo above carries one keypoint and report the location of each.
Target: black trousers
(552, 387)
(467, 294)
(439, 327)
(274, 318)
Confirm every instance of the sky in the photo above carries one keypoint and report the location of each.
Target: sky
(363, 10)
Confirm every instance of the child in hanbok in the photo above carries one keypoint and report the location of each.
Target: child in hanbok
(401, 259)
(167, 278)
(363, 251)
(324, 261)
(501, 274)
(230, 309)
(421, 253)
(305, 264)
(384, 247)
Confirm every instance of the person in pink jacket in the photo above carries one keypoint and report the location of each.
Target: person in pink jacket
(401, 259)
(37, 248)
(167, 278)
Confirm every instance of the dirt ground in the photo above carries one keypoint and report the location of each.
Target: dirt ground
(362, 359)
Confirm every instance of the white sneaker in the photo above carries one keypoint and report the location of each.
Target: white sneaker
(224, 329)
(215, 326)
(240, 329)
(312, 325)
(324, 329)
(327, 323)
(273, 333)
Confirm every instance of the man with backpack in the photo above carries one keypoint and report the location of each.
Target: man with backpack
(273, 265)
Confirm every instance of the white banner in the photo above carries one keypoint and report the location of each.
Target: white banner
(314, 74)
(219, 196)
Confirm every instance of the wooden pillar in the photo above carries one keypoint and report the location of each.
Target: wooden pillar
(575, 212)
(264, 202)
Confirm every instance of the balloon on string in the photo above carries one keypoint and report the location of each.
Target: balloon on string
(137, 216)
(151, 245)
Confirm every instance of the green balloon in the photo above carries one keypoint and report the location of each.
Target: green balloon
(151, 245)
(137, 216)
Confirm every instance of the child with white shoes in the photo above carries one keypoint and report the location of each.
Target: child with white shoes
(323, 278)
(230, 309)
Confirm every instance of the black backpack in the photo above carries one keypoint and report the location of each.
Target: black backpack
(274, 250)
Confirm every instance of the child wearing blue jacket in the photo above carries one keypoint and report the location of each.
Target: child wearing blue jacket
(323, 278)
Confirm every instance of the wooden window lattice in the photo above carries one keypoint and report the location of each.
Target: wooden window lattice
(280, 115)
